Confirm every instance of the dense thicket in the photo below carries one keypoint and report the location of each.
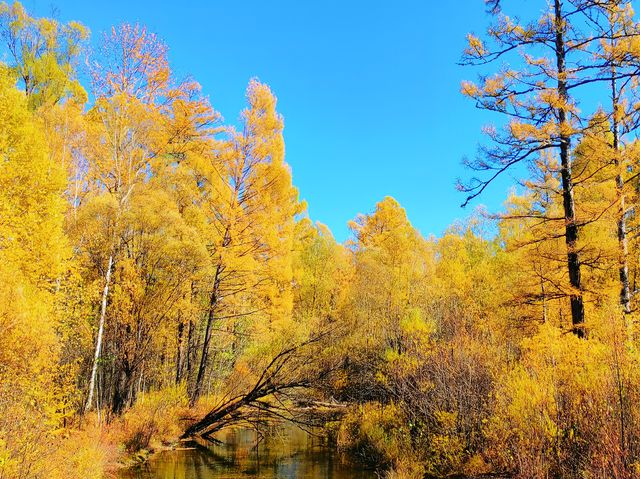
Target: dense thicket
(159, 273)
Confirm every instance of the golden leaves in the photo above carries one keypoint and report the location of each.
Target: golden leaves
(470, 89)
(475, 46)
(45, 54)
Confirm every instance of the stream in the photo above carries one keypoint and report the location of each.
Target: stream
(284, 453)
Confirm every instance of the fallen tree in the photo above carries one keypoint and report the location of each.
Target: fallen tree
(270, 397)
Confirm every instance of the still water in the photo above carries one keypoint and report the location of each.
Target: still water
(285, 453)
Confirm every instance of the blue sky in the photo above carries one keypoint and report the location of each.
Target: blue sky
(369, 90)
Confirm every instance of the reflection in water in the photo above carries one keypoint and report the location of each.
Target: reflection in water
(283, 454)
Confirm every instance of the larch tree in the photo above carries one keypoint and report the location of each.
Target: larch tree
(390, 264)
(539, 97)
(322, 272)
(619, 65)
(251, 205)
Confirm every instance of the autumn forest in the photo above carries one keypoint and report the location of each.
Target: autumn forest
(161, 280)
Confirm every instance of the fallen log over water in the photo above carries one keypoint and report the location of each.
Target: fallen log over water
(269, 399)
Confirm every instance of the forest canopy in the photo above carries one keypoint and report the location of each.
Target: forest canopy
(160, 277)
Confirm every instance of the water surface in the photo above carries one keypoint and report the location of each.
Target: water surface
(284, 453)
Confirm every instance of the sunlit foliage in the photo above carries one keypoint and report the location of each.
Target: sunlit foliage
(157, 266)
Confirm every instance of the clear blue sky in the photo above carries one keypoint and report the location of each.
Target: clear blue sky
(369, 90)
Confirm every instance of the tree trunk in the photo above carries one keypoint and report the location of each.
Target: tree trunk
(179, 353)
(190, 348)
(103, 311)
(273, 380)
(571, 226)
(625, 293)
(204, 356)
(123, 390)
(544, 299)
(623, 247)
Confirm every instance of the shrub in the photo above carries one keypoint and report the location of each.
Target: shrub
(562, 411)
(376, 434)
(154, 418)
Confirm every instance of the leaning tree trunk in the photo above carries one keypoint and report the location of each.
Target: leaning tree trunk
(96, 357)
(571, 225)
(274, 380)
